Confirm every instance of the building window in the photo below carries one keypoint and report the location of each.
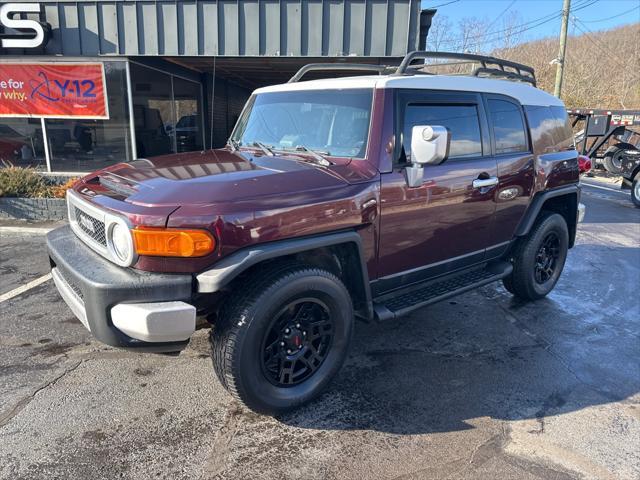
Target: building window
(21, 143)
(167, 112)
(87, 145)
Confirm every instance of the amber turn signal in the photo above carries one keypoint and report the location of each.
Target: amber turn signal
(166, 242)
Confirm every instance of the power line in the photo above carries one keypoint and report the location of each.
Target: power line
(501, 14)
(444, 4)
(614, 16)
(493, 36)
(513, 31)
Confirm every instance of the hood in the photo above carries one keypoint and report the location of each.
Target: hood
(213, 176)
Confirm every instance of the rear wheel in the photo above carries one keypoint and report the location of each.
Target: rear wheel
(279, 344)
(538, 259)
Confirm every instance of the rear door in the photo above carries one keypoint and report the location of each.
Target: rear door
(446, 223)
(515, 162)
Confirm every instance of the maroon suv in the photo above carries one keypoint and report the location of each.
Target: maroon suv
(364, 197)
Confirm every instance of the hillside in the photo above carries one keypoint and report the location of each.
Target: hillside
(602, 69)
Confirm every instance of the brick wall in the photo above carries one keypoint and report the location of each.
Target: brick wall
(33, 209)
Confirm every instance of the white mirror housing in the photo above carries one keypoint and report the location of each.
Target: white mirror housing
(429, 144)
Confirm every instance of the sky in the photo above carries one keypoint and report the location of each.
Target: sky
(592, 15)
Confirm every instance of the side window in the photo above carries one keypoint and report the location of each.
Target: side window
(461, 120)
(508, 127)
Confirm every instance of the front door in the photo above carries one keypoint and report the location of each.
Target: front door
(446, 223)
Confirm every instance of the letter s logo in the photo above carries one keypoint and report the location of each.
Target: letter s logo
(6, 10)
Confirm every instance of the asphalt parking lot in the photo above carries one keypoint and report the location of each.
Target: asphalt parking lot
(478, 387)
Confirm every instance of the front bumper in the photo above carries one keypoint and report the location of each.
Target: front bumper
(122, 307)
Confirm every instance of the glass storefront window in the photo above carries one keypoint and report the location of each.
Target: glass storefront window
(87, 145)
(167, 112)
(188, 129)
(21, 143)
(152, 111)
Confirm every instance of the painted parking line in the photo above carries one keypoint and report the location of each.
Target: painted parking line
(25, 230)
(623, 192)
(26, 287)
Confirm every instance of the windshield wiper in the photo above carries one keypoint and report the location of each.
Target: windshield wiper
(319, 158)
(234, 144)
(266, 150)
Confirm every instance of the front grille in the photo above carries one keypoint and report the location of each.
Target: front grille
(92, 227)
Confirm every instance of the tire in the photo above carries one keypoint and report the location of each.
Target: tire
(635, 191)
(612, 157)
(315, 307)
(536, 271)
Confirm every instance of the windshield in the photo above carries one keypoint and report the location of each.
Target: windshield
(330, 122)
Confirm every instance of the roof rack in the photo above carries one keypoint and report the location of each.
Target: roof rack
(490, 66)
(313, 67)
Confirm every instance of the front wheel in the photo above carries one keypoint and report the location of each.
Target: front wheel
(277, 345)
(538, 259)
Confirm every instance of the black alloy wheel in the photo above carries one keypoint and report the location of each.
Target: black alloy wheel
(297, 343)
(547, 258)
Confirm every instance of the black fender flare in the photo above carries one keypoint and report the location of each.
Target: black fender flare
(539, 200)
(227, 269)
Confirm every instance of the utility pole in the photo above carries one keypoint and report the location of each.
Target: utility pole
(566, 7)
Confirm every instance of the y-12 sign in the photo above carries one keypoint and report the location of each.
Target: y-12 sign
(53, 90)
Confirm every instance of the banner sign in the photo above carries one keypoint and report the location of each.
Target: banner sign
(53, 90)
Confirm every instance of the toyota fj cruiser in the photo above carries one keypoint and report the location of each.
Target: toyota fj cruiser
(335, 199)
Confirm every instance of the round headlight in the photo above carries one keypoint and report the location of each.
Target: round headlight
(121, 241)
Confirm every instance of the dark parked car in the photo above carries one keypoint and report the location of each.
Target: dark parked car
(335, 200)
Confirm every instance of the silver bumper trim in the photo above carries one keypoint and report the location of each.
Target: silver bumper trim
(156, 321)
(581, 211)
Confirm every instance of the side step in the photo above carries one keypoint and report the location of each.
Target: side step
(403, 301)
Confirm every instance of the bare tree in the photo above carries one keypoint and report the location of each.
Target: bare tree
(441, 34)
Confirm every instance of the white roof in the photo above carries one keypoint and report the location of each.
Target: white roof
(526, 94)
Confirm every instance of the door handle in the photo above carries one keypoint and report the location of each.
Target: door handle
(485, 182)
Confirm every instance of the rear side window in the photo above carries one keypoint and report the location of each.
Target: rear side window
(564, 132)
(550, 128)
(508, 127)
(461, 121)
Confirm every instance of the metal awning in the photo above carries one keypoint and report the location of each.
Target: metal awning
(231, 28)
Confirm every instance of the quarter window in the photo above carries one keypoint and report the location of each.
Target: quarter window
(508, 127)
(460, 120)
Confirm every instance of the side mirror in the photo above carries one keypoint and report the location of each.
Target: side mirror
(429, 145)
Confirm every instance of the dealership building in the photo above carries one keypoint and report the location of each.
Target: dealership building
(176, 74)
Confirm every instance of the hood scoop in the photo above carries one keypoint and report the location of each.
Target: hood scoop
(116, 185)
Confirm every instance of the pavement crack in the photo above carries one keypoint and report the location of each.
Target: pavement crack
(6, 417)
